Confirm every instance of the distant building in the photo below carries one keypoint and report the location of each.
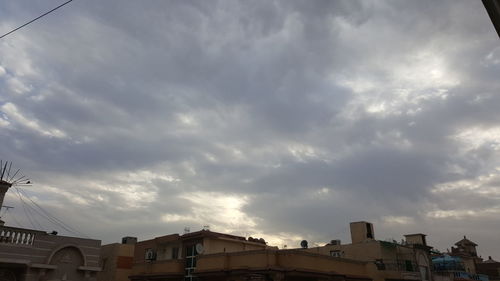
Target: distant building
(409, 260)
(460, 264)
(116, 260)
(33, 255)
(489, 267)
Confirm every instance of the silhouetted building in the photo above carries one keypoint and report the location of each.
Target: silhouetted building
(489, 267)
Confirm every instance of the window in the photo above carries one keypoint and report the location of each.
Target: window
(190, 263)
(380, 264)
(369, 233)
(104, 261)
(175, 253)
(408, 265)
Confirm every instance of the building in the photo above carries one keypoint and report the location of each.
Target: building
(207, 255)
(489, 267)
(466, 250)
(29, 255)
(116, 260)
(175, 256)
(408, 260)
(460, 264)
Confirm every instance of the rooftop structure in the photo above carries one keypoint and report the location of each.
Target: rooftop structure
(393, 261)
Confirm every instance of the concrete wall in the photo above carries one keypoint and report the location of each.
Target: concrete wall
(280, 260)
(116, 262)
(159, 267)
(224, 245)
(366, 251)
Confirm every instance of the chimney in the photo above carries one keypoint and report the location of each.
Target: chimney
(361, 231)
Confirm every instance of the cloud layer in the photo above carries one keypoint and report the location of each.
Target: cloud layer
(280, 119)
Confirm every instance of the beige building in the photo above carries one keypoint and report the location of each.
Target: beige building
(206, 255)
(409, 260)
(116, 260)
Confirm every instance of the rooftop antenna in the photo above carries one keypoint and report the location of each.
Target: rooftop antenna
(7, 208)
(7, 180)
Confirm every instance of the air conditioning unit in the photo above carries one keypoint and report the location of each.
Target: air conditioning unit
(150, 255)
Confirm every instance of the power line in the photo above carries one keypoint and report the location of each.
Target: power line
(37, 18)
(18, 224)
(26, 211)
(51, 218)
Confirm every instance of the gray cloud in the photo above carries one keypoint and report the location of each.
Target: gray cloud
(274, 118)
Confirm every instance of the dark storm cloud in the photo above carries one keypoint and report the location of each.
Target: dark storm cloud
(283, 114)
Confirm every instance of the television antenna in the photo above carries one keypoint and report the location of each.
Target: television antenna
(11, 178)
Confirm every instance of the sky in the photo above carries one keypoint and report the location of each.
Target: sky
(284, 120)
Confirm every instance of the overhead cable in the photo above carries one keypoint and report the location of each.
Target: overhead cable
(52, 218)
(29, 216)
(37, 18)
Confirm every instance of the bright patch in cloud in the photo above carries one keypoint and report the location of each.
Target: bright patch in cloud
(397, 220)
(223, 212)
(476, 137)
(14, 114)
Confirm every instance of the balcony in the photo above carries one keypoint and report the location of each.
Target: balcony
(18, 236)
(159, 267)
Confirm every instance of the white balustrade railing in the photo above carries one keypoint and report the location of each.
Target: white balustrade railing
(19, 236)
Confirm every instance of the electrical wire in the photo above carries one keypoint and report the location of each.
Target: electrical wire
(35, 19)
(18, 224)
(48, 218)
(25, 210)
(52, 218)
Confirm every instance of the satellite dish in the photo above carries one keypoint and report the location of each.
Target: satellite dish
(303, 244)
(199, 248)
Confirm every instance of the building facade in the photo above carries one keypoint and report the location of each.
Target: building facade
(489, 267)
(409, 260)
(116, 260)
(33, 255)
(206, 255)
(460, 264)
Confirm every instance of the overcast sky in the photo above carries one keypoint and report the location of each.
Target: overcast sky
(277, 119)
